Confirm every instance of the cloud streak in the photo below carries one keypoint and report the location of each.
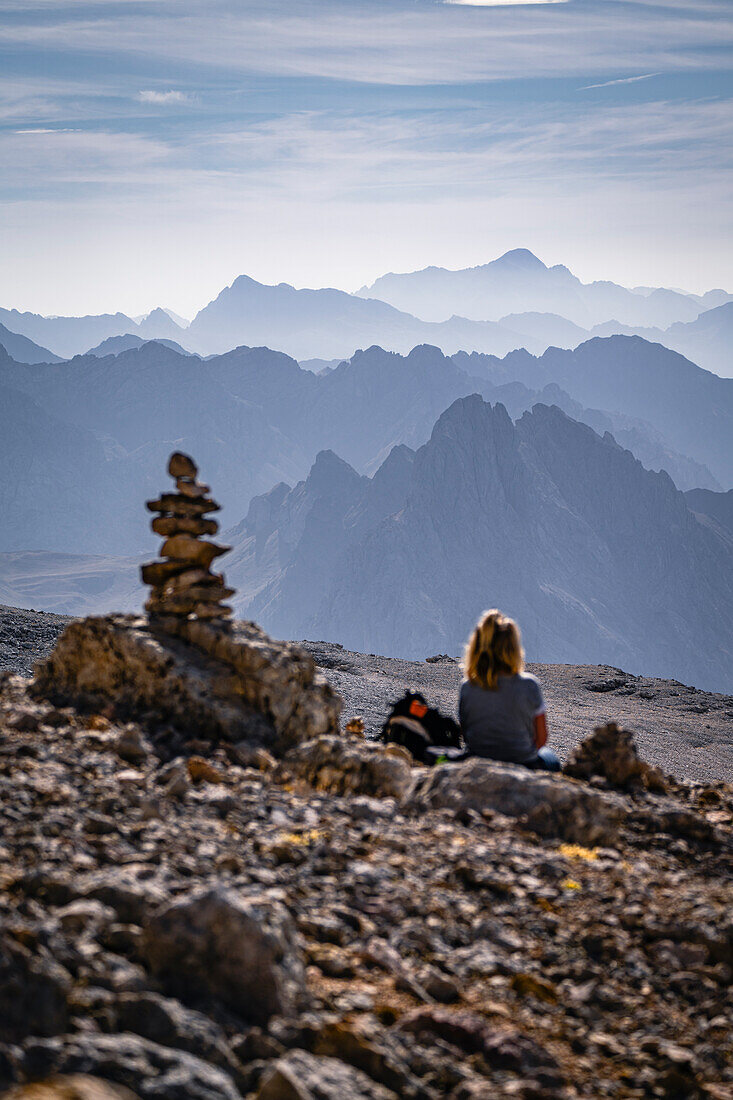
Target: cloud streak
(622, 80)
(163, 98)
(392, 43)
(500, 3)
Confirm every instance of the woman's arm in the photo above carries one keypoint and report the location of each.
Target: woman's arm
(540, 729)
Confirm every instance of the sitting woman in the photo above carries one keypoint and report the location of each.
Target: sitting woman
(501, 710)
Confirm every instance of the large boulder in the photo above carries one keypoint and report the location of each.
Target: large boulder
(152, 1072)
(548, 804)
(224, 684)
(351, 767)
(237, 948)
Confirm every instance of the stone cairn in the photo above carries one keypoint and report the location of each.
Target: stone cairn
(183, 585)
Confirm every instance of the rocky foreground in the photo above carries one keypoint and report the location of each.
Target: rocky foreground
(208, 894)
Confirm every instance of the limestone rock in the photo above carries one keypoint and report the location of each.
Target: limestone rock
(548, 804)
(240, 949)
(185, 548)
(239, 686)
(181, 465)
(176, 504)
(191, 489)
(183, 525)
(303, 1076)
(611, 752)
(350, 767)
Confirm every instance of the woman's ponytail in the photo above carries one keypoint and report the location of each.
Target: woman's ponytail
(495, 647)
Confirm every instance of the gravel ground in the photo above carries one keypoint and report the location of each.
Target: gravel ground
(683, 730)
(680, 729)
(27, 636)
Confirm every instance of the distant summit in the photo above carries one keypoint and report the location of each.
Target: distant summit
(518, 282)
(115, 345)
(519, 258)
(623, 574)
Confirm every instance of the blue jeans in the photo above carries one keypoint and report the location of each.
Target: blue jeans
(546, 761)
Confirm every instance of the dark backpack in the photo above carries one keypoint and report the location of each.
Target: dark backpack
(426, 733)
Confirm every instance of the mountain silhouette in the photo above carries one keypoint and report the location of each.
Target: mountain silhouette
(254, 417)
(518, 282)
(600, 560)
(327, 324)
(24, 350)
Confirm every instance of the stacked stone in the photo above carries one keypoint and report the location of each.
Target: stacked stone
(183, 585)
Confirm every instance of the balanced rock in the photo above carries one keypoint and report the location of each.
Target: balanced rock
(180, 465)
(182, 584)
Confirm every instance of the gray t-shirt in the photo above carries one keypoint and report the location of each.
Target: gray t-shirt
(500, 724)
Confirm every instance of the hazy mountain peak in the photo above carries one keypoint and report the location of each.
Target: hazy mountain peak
(521, 258)
(23, 350)
(330, 474)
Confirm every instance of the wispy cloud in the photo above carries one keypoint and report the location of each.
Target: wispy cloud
(49, 130)
(622, 80)
(392, 42)
(334, 139)
(164, 98)
(500, 3)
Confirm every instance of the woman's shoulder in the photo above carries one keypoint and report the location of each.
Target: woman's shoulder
(530, 688)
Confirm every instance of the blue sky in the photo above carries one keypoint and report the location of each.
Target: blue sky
(152, 150)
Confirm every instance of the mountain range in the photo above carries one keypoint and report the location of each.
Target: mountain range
(86, 439)
(508, 284)
(513, 302)
(599, 559)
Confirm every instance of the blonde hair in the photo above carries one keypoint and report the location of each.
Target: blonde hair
(495, 647)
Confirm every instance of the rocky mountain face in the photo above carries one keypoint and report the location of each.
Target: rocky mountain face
(717, 507)
(628, 375)
(256, 418)
(599, 559)
(518, 281)
(232, 898)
